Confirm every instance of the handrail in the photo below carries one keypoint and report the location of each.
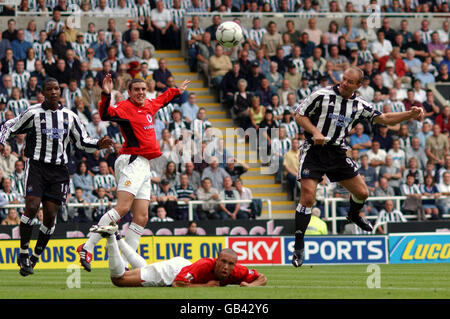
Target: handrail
(396, 199)
(190, 204)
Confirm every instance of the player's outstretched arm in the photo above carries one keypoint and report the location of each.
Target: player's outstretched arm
(211, 283)
(397, 117)
(260, 281)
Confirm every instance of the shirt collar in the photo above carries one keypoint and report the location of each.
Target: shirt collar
(45, 107)
(336, 90)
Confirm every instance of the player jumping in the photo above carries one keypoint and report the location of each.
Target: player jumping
(327, 116)
(132, 167)
(175, 272)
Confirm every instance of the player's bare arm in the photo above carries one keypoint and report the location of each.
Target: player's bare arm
(394, 118)
(211, 283)
(304, 122)
(104, 142)
(107, 85)
(260, 281)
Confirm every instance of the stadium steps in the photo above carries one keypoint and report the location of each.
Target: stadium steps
(262, 185)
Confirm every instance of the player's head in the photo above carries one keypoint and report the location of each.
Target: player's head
(351, 81)
(225, 263)
(136, 91)
(51, 90)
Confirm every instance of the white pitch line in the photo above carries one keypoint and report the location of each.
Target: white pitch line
(353, 287)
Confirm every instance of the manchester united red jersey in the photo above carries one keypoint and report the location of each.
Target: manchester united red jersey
(136, 122)
(202, 271)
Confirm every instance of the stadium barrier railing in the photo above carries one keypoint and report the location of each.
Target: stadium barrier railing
(191, 205)
(334, 218)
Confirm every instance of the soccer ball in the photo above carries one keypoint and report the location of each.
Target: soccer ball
(229, 34)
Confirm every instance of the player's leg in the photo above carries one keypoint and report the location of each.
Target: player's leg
(32, 204)
(303, 217)
(129, 253)
(138, 223)
(359, 193)
(123, 206)
(47, 228)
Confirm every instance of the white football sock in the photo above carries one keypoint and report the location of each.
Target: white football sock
(115, 263)
(131, 255)
(111, 216)
(133, 235)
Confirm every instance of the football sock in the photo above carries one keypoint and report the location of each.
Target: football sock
(115, 262)
(131, 255)
(355, 206)
(111, 216)
(133, 235)
(302, 218)
(25, 230)
(44, 236)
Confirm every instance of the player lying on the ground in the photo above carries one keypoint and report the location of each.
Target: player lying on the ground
(175, 272)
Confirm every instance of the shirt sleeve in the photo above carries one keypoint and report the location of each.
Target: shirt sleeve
(16, 125)
(241, 273)
(80, 136)
(310, 104)
(369, 113)
(197, 273)
(163, 99)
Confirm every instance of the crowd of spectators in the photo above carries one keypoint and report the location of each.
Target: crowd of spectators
(261, 81)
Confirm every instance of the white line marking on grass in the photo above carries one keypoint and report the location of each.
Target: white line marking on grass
(355, 287)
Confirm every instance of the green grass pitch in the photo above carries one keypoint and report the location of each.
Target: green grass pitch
(284, 282)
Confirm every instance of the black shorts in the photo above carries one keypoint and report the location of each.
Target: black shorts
(330, 160)
(47, 181)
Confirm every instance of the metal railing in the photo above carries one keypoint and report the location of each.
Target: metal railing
(333, 218)
(190, 204)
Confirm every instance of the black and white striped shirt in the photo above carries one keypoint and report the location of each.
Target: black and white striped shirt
(70, 96)
(90, 37)
(18, 183)
(281, 146)
(395, 216)
(177, 16)
(17, 106)
(80, 49)
(20, 80)
(333, 115)
(39, 49)
(165, 113)
(256, 35)
(292, 128)
(49, 133)
(106, 181)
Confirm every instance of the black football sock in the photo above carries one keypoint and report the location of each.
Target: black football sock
(25, 231)
(44, 236)
(355, 207)
(302, 218)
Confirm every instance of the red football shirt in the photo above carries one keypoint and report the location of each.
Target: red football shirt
(202, 271)
(136, 122)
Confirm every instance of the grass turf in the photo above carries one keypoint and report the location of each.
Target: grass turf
(284, 282)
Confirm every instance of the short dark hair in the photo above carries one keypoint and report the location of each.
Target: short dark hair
(48, 81)
(130, 85)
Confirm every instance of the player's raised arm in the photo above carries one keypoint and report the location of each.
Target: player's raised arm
(104, 106)
(168, 95)
(397, 117)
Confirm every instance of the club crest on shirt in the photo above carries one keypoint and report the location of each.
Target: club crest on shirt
(127, 183)
(189, 277)
(305, 172)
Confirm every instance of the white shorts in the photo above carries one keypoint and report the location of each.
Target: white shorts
(133, 177)
(163, 273)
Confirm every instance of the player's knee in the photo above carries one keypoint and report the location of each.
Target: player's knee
(31, 209)
(307, 198)
(363, 194)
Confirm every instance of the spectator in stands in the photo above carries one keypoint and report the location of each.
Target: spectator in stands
(96, 128)
(443, 119)
(20, 46)
(230, 83)
(428, 188)
(256, 33)
(8, 196)
(307, 47)
(415, 151)
(369, 173)
(424, 76)
(216, 20)
(366, 91)
(333, 33)
(359, 140)
(193, 176)
(413, 169)
(245, 194)
(383, 190)
(230, 211)
(215, 173)
(316, 225)
(177, 125)
(161, 75)
(264, 66)
(235, 168)
(437, 146)
(91, 94)
(219, 65)
(256, 112)
(384, 140)
(162, 24)
(391, 173)
(274, 77)
(167, 198)
(103, 203)
(443, 74)
(70, 93)
(313, 32)
(398, 155)
(254, 78)
(12, 218)
(444, 188)
(381, 47)
(171, 175)
(82, 179)
(105, 180)
(143, 74)
(161, 215)
(184, 193)
(271, 40)
(204, 51)
(189, 109)
(210, 195)
(420, 48)
(410, 188)
(388, 214)
(325, 189)
(7, 161)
